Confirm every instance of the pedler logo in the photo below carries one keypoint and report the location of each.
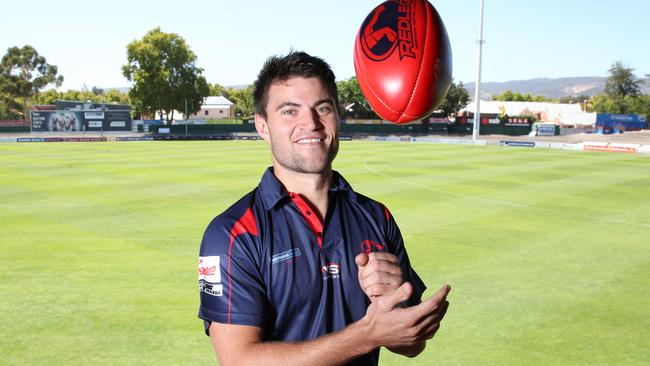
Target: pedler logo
(389, 27)
(368, 245)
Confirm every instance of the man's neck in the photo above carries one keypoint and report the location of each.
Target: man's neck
(312, 187)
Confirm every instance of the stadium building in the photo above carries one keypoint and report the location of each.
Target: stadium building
(215, 107)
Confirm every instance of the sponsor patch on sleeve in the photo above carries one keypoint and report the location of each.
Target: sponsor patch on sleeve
(210, 275)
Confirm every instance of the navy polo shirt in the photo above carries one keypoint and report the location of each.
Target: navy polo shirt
(268, 261)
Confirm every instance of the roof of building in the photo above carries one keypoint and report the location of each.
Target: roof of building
(216, 101)
(42, 107)
(522, 108)
(580, 118)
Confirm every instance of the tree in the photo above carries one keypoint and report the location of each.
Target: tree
(621, 85)
(10, 108)
(243, 99)
(507, 95)
(107, 96)
(571, 99)
(352, 102)
(97, 91)
(216, 89)
(621, 82)
(47, 97)
(115, 96)
(23, 73)
(166, 78)
(456, 99)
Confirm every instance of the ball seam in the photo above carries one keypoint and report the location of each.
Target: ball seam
(424, 43)
(372, 90)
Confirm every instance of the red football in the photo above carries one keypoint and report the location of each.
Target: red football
(402, 58)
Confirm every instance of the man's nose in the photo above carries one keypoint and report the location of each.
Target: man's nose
(312, 121)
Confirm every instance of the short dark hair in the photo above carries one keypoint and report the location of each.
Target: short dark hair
(281, 68)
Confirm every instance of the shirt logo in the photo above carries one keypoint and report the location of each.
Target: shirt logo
(210, 275)
(285, 256)
(330, 271)
(368, 245)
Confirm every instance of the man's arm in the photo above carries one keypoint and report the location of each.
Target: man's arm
(385, 324)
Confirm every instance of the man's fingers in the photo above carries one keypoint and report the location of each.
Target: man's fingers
(430, 332)
(439, 296)
(398, 296)
(361, 259)
(431, 306)
(376, 266)
(383, 256)
(434, 326)
(428, 324)
(380, 289)
(381, 278)
(443, 311)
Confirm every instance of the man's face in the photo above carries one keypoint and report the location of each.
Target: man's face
(301, 125)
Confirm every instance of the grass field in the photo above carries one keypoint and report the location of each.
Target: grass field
(547, 251)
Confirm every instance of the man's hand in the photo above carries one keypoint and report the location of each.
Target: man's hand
(385, 324)
(379, 274)
(403, 328)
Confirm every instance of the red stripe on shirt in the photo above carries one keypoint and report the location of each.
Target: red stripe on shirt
(245, 224)
(310, 216)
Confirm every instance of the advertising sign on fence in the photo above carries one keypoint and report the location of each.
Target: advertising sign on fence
(57, 121)
(623, 148)
(517, 143)
(70, 121)
(13, 122)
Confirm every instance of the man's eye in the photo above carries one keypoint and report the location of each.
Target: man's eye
(289, 112)
(324, 109)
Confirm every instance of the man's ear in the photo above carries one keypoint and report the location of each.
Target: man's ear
(262, 127)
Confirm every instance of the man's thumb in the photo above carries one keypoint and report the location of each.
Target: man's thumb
(361, 260)
(398, 296)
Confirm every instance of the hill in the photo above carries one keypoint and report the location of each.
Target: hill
(550, 88)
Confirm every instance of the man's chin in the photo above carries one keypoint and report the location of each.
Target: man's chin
(313, 168)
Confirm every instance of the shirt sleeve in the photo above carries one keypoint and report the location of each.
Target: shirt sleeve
(396, 246)
(231, 285)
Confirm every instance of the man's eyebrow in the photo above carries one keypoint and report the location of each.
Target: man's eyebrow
(286, 104)
(293, 104)
(324, 101)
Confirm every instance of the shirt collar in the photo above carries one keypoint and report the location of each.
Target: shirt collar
(272, 191)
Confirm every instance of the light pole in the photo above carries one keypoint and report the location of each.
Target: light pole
(185, 117)
(477, 89)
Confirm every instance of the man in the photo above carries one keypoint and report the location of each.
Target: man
(303, 270)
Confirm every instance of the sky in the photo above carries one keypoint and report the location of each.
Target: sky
(87, 40)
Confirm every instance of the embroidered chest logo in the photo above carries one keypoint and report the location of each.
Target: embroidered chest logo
(331, 271)
(290, 255)
(368, 245)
